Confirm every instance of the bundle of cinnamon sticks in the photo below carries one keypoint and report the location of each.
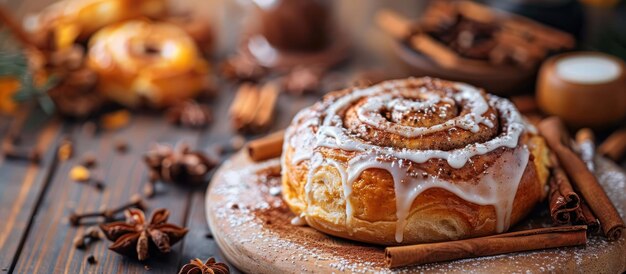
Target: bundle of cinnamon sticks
(566, 206)
(252, 110)
(575, 195)
(448, 33)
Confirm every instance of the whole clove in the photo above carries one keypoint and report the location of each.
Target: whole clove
(92, 260)
(92, 234)
(89, 160)
(121, 146)
(108, 214)
(12, 152)
(82, 175)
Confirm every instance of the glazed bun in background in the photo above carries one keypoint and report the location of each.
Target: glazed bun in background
(141, 62)
(71, 20)
(412, 161)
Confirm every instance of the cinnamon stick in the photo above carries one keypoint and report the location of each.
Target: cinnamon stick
(614, 147)
(266, 105)
(555, 134)
(243, 107)
(584, 216)
(586, 146)
(563, 198)
(268, 147)
(438, 52)
(394, 24)
(527, 240)
(253, 107)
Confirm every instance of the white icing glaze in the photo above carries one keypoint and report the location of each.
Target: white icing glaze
(298, 221)
(321, 126)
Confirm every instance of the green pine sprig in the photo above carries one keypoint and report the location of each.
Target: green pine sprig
(15, 64)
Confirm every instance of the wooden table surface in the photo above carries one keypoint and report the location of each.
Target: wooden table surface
(36, 200)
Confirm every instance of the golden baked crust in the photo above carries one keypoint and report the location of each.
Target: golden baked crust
(316, 186)
(144, 62)
(71, 20)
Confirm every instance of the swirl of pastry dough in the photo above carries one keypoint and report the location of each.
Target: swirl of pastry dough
(412, 161)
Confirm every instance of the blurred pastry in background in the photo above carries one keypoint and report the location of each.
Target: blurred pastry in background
(198, 28)
(142, 62)
(64, 22)
(134, 57)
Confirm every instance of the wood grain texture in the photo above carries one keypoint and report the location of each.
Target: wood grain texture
(124, 175)
(21, 182)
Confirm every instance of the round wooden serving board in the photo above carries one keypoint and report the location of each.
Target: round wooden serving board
(253, 228)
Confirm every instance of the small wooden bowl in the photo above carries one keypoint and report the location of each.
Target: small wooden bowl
(585, 89)
(501, 80)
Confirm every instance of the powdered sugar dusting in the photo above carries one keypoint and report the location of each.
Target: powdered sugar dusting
(243, 213)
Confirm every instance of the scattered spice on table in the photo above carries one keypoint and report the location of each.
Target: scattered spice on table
(211, 266)
(92, 234)
(115, 120)
(92, 259)
(66, 149)
(13, 152)
(189, 114)
(178, 164)
(121, 146)
(89, 160)
(80, 174)
(108, 214)
(133, 237)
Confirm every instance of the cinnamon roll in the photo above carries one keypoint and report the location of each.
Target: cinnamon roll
(412, 161)
(71, 20)
(143, 62)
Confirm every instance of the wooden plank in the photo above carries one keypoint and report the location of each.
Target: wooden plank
(48, 247)
(196, 243)
(22, 183)
(199, 242)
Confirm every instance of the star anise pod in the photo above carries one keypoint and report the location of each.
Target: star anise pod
(189, 114)
(135, 237)
(196, 266)
(180, 164)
